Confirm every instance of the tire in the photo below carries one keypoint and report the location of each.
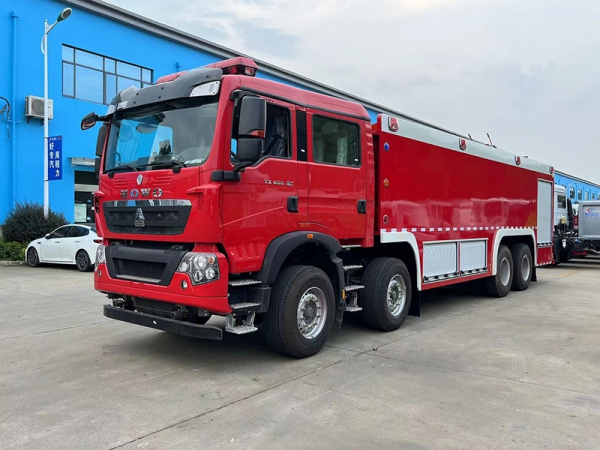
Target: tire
(33, 258)
(523, 267)
(385, 279)
(286, 332)
(499, 285)
(82, 261)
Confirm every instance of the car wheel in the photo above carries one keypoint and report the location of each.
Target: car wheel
(32, 257)
(82, 260)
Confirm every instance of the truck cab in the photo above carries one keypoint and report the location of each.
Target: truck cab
(205, 183)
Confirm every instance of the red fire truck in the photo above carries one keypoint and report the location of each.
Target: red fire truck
(226, 194)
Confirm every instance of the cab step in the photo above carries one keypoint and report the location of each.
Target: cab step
(248, 282)
(354, 287)
(353, 267)
(246, 305)
(237, 325)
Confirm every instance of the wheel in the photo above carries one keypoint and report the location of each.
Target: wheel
(499, 285)
(82, 261)
(301, 312)
(32, 257)
(523, 267)
(387, 294)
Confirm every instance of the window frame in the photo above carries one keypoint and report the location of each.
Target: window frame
(312, 142)
(104, 72)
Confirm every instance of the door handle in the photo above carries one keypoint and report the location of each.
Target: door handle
(292, 204)
(77, 242)
(362, 207)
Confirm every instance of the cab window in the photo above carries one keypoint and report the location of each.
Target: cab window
(335, 142)
(277, 136)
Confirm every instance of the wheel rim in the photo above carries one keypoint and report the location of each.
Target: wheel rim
(312, 312)
(82, 261)
(525, 267)
(32, 257)
(504, 272)
(396, 295)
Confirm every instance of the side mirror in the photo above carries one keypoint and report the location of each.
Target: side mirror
(101, 139)
(48, 236)
(89, 121)
(253, 118)
(97, 166)
(249, 150)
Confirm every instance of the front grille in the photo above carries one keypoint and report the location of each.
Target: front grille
(144, 271)
(147, 219)
(143, 264)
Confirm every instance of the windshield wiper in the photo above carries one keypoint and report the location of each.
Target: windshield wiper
(122, 167)
(176, 165)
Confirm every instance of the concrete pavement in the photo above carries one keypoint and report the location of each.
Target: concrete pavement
(472, 372)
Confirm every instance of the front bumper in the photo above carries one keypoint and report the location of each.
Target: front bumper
(162, 323)
(212, 296)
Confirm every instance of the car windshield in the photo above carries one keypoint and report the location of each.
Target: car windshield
(178, 132)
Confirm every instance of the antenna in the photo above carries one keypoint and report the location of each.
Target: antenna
(470, 136)
(490, 139)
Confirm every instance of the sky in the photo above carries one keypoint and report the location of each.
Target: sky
(525, 71)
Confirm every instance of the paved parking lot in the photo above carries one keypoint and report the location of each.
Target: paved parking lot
(472, 372)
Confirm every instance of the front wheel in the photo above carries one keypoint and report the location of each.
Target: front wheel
(301, 312)
(32, 257)
(387, 294)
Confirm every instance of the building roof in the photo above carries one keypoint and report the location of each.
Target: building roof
(581, 180)
(131, 19)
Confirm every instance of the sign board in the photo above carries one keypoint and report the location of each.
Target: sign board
(55, 167)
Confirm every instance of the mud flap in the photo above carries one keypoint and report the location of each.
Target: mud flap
(415, 304)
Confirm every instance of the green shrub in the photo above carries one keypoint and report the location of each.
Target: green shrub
(12, 251)
(26, 222)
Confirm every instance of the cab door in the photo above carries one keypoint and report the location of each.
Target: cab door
(50, 248)
(264, 203)
(337, 184)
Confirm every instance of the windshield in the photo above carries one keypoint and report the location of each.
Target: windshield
(179, 131)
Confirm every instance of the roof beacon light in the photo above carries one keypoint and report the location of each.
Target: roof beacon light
(462, 144)
(236, 66)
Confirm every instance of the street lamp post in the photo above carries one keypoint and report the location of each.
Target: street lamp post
(65, 13)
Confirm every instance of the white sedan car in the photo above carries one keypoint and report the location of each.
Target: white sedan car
(69, 244)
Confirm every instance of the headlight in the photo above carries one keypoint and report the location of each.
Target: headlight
(100, 255)
(201, 267)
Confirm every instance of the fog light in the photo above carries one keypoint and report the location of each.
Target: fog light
(184, 284)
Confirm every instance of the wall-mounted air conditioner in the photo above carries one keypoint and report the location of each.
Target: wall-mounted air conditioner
(34, 107)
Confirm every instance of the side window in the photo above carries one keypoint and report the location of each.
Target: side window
(562, 201)
(335, 142)
(61, 232)
(277, 137)
(76, 232)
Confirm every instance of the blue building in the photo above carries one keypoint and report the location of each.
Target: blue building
(99, 50)
(577, 189)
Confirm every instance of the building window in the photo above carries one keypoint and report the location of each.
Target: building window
(572, 193)
(587, 195)
(579, 194)
(593, 196)
(96, 78)
(335, 142)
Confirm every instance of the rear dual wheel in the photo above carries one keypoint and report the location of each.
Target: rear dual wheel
(514, 271)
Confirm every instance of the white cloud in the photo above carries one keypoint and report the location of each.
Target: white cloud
(526, 71)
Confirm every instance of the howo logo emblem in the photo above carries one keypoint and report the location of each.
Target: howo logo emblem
(140, 220)
(144, 193)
